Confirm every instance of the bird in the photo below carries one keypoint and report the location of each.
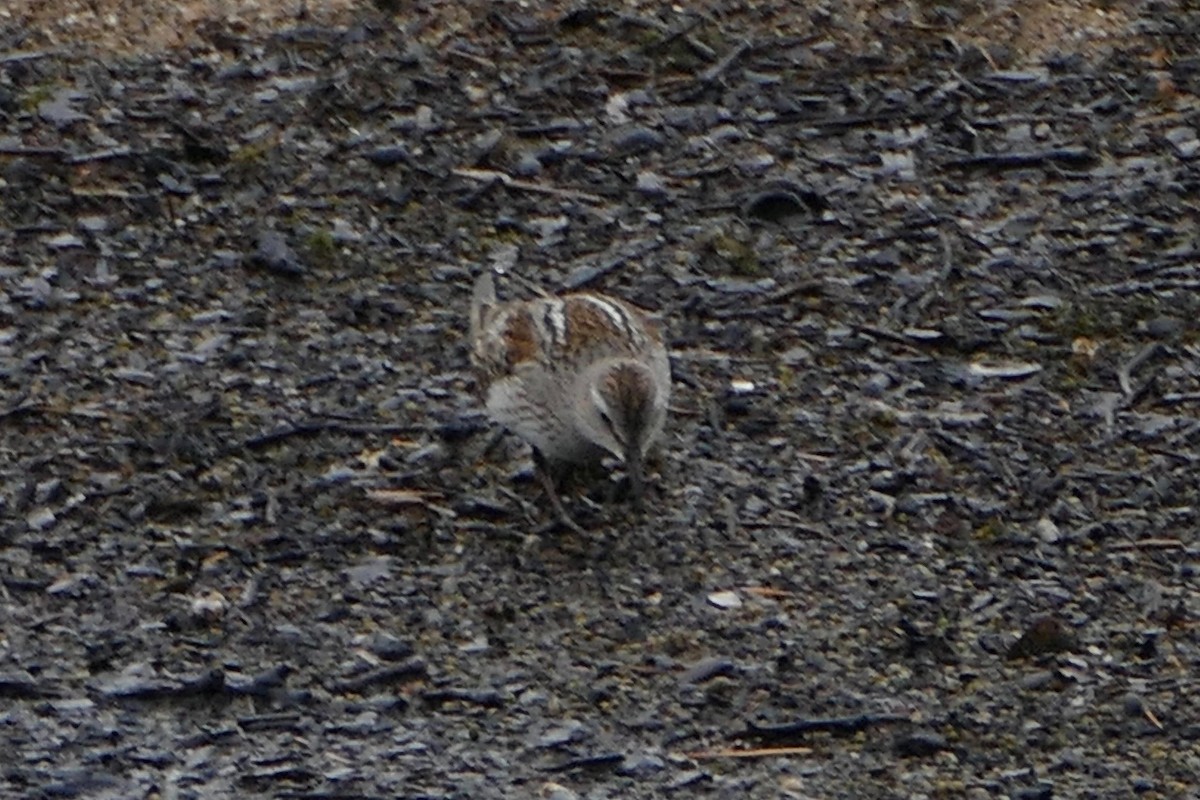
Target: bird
(578, 377)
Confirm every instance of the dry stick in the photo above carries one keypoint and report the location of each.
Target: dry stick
(770, 525)
(107, 154)
(883, 333)
(1125, 374)
(1153, 719)
(767, 591)
(31, 152)
(1071, 156)
(402, 498)
(762, 752)
(312, 427)
(1180, 397)
(583, 276)
(716, 70)
(13, 58)
(700, 47)
(529, 285)
(839, 726)
(1190, 458)
(102, 194)
(669, 36)
(1149, 544)
(513, 183)
(471, 58)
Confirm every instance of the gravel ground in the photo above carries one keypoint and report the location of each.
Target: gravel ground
(925, 525)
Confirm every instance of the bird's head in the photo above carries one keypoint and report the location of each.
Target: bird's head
(621, 410)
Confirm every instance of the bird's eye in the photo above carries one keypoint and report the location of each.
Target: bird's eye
(606, 418)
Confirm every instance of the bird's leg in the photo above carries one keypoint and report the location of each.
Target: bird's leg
(547, 480)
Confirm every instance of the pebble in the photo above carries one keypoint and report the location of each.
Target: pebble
(725, 600)
(635, 140)
(649, 183)
(706, 669)
(42, 519)
(920, 744)
(642, 766)
(527, 166)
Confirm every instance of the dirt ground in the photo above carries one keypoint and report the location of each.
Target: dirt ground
(925, 521)
(1030, 28)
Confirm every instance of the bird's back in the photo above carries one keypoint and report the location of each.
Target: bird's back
(529, 355)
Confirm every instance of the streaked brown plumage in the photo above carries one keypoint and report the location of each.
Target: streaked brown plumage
(576, 377)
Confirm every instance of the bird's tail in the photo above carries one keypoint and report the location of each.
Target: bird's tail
(483, 299)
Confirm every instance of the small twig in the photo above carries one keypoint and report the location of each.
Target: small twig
(1149, 544)
(1070, 156)
(32, 152)
(841, 726)
(100, 155)
(490, 175)
(814, 288)
(13, 58)
(529, 285)
(588, 273)
(846, 121)
(669, 36)
(716, 70)
(702, 354)
(309, 428)
(1152, 718)
(768, 591)
(761, 752)
(1125, 374)
(102, 194)
(596, 761)
(211, 683)
(471, 58)
(21, 405)
(1143, 287)
(886, 335)
(959, 443)
(414, 669)
(400, 498)
(1188, 458)
(774, 524)
(1180, 397)
(700, 47)
(487, 698)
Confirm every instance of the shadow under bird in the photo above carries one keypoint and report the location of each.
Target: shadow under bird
(577, 377)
